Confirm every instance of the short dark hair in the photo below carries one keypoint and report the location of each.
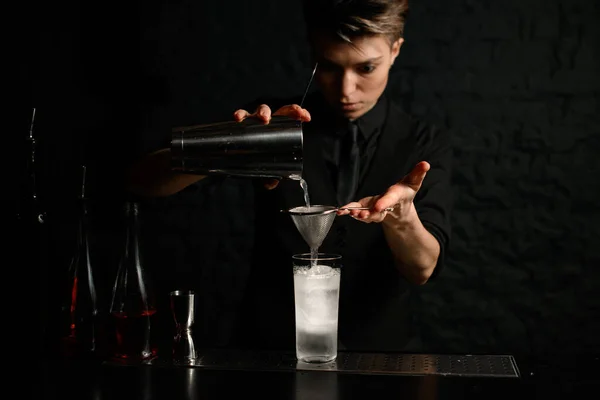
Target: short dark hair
(348, 19)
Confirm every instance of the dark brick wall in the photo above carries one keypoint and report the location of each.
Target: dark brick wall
(516, 81)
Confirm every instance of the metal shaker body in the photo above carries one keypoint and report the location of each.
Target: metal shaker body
(249, 148)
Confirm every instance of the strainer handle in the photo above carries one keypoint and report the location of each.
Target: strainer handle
(363, 208)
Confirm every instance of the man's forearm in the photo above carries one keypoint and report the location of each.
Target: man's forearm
(153, 177)
(415, 249)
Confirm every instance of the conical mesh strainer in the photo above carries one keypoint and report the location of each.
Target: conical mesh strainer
(313, 222)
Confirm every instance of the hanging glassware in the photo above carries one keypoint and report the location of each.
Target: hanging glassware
(81, 315)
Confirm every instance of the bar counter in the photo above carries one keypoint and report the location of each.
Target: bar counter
(235, 375)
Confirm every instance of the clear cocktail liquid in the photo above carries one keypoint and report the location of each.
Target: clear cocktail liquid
(313, 251)
(316, 291)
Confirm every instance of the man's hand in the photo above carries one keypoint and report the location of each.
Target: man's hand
(263, 113)
(399, 196)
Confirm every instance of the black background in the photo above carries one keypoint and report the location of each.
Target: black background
(516, 81)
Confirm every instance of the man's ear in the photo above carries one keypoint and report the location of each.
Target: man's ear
(396, 49)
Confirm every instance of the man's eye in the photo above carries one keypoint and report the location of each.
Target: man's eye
(367, 69)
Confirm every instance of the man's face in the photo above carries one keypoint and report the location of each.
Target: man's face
(353, 76)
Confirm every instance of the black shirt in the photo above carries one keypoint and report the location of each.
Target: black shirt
(369, 128)
(374, 297)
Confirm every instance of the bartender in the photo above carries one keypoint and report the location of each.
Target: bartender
(360, 149)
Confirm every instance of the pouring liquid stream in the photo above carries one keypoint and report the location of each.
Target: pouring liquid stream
(313, 251)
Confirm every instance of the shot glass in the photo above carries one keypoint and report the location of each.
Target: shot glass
(316, 296)
(182, 308)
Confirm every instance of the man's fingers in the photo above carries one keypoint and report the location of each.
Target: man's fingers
(385, 202)
(263, 113)
(271, 184)
(240, 115)
(389, 199)
(343, 210)
(415, 178)
(294, 111)
(403, 190)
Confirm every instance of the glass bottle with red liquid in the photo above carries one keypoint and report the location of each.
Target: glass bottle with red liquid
(133, 307)
(82, 332)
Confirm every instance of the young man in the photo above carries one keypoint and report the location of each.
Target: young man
(360, 149)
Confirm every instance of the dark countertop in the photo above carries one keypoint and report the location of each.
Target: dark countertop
(550, 377)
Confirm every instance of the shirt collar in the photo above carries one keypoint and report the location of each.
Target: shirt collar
(369, 123)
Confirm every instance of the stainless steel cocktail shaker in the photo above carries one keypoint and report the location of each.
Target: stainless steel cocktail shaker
(249, 148)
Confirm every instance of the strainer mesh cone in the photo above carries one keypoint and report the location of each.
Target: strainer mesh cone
(313, 223)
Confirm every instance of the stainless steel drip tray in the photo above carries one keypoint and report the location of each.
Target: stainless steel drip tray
(500, 366)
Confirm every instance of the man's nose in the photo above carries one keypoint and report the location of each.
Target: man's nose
(348, 84)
